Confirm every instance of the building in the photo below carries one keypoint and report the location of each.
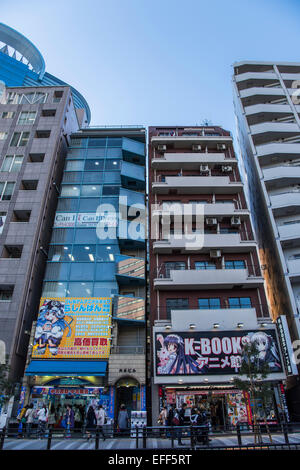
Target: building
(206, 286)
(22, 65)
(267, 110)
(95, 276)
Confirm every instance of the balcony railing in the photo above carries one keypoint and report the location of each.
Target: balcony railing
(262, 309)
(164, 272)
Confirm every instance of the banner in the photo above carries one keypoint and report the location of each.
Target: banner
(73, 327)
(212, 353)
(84, 219)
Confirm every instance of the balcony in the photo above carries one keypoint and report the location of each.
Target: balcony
(219, 278)
(279, 202)
(257, 95)
(289, 231)
(259, 113)
(189, 161)
(133, 176)
(197, 185)
(130, 310)
(294, 269)
(228, 243)
(186, 142)
(282, 175)
(277, 151)
(255, 79)
(130, 270)
(210, 210)
(267, 131)
(133, 151)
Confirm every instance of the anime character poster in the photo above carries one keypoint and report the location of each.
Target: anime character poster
(73, 327)
(213, 352)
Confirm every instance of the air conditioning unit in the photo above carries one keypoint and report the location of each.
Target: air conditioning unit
(215, 253)
(235, 221)
(196, 148)
(211, 221)
(161, 147)
(204, 168)
(221, 147)
(227, 169)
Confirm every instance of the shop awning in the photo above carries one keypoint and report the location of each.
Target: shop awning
(72, 368)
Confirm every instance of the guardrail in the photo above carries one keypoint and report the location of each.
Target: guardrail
(196, 437)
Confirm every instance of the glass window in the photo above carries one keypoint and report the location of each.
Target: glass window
(57, 271)
(27, 117)
(97, 142)
(105, 289)
(62, 235)
(12, 163)
(105, 271)
(95, 153)
(94, 165)
(8, 114)
(106, 252)
(90, 190)
(92, 177)
(54, 289)
(67, 204)
(74, 165)
(114, 142)
(82, 271)
(80, 289)
(110, 190)
(112, 177)
(70, 190)
(239, 302)
(89, 204)
(176, 304)
(114, 153)
(236, 264)
(59, 253)
(209, 303)
(72, 177)
(19, 139)
(86, 253)
(112, 164)
(6, 191)
(3, 135)
(86, 235)
(170, 266)
(205, 265)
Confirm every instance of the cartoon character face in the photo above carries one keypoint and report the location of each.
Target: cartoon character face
(261, 341)
(172, 348)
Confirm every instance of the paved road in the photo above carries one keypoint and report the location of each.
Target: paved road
(116, 444)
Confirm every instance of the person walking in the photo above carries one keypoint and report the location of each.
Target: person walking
(42, 416)
(29, 419)
(123, 419)
(78, 419)
(90, 421)
(170, 418)
(100, 418)
(181, 415)
(69, 420)
(52, 417)
(162, 420)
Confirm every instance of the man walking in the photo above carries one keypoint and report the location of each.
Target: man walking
(181, 414)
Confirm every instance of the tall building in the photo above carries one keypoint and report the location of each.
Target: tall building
(95, 278)
(267, 110)
(205, 282)
(22, 65)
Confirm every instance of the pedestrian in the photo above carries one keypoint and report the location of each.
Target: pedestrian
(77, 418)
(69, 420)
(181, 415)
(29, 415)
(123, 420)
(42, 416)
(90, 421)
(22, 421)
(202, 430)
(170, 418)
(52, 417)
(100, 418)
(162, 419)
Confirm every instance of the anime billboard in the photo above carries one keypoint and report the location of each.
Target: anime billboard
(73, 327)
(212, 353)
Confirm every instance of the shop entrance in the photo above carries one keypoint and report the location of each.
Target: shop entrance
(128, 394)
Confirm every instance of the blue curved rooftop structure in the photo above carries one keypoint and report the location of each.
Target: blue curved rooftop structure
(22, 64)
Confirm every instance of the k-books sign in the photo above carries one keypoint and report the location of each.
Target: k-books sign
(213, 353)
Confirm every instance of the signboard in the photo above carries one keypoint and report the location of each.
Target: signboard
(73, 327)
(212, 353)
(84, 219)
(286, 346)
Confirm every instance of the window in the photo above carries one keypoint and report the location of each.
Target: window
(12, 163)
(74, 165)
(6, 190)
(205, 265)
(3, 135)
(19, 139)
(48, 112)
(29, 185)
(210, 303)
(12, 251)
(239, 302)
(36, 157)
(32, 98)
(42, 134)
(8, 114)
(2, 221)
(236, 264)
(21, 216)
(177, 265)
(27, 117)
(57, 96)
(6, 293)
(176, 304)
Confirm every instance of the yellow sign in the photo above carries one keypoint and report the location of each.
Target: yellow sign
(73, 327)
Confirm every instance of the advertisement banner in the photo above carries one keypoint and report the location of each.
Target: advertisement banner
(212, 353)
(84, 219)
(73, 327)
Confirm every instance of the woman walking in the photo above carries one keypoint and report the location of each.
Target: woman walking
(90, 421)
(100, 417)
(69, 420)
(123, 419)
(42, 416)
(29, 419)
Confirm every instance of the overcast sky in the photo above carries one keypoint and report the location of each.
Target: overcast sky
(156, 62)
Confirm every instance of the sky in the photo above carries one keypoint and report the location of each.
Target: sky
(158, 62)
